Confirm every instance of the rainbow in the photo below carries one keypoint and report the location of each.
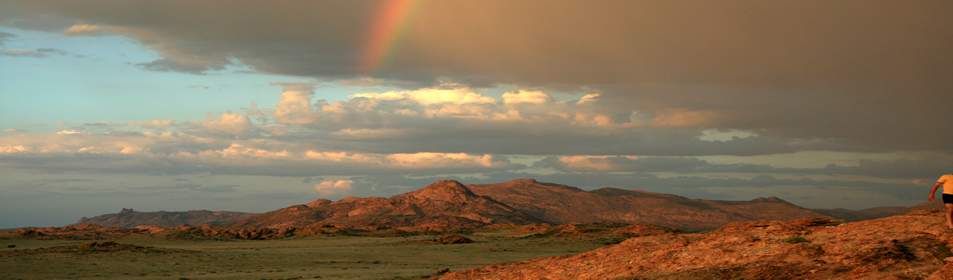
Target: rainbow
(389, 22)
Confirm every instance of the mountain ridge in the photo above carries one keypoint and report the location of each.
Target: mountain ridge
(129, 218)
(452, 205)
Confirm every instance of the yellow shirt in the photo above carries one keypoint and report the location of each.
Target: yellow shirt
(947, 181)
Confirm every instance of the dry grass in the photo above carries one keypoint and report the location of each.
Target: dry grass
(305, 258)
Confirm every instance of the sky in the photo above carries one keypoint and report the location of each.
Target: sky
(178, 105)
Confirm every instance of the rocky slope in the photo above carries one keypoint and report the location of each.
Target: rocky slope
(911, 246)
(129, 218)
(560, 204)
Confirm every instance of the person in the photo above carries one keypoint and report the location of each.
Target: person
(946, 181)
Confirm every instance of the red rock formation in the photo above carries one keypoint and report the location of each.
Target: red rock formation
(442, 206)
(911, 246)
(560, 204)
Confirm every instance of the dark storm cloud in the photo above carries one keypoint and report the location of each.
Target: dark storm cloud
(569, 42)
(551, 138)
(911, 169)
(927, 169)
(866, 75)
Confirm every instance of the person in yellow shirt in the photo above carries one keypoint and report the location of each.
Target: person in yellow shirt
(947, 182)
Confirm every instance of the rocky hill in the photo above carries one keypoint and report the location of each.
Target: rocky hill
(560, 204)
(441, 206)
(910, 246)
(129, 218)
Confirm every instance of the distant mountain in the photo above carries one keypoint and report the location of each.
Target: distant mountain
(452, 205)
(561, 204)
(440, 206)
(878, 212)
(449, 205)
(863, 214)
(129, 218)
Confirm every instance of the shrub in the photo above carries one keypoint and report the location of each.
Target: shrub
(795, 239)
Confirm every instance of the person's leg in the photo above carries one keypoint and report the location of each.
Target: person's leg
(949, 215)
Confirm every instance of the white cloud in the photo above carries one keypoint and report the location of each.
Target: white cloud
(430, 160)
(294, 107)
(236, 150)
(229, 123)
(716, 135)
(421, 160)
(333, 187)
(13, 149)
(338, 156)
(84, 29)
(431, 96)
(68, 132)
(587, 163)
(525, 97)
(129, 148)
(154, 123)
(588, 98)
(369, 133)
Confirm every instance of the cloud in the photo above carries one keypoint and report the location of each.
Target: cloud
(227, 123)
(429, 160)
(338, 156)
(35, 53)
(588, 98)
(84, 29)
(716, 135)
(370, 133)
(333, 187)
(4, 36)
(738, 65)
(591, 163)
(525, 97)
(685, 118)
(623, 39)
(408, 121)
(188, 151)
(420, 160)
(431, 96)
(236, 150)
(294, 107)
(154, 123)
(14, 149)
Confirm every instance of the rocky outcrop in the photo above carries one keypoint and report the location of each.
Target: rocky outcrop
(453, 239)
(912, 246)
(78, 232)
